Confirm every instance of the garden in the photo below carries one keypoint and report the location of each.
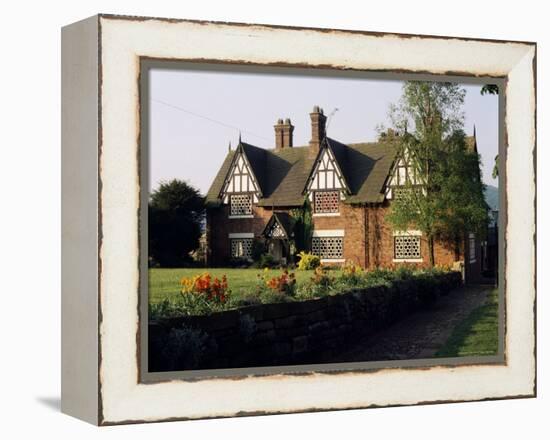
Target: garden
(191, 292)
(226, 318)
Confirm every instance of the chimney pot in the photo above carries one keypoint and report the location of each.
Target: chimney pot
(318, 129)
(283, 134)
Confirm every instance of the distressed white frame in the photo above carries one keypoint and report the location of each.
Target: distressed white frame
(121, 398)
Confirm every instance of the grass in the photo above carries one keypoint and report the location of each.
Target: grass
(164, 283)
(476, 335)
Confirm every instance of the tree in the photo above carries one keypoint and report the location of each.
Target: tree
(491, 89)
(449, 201)
(176, 217)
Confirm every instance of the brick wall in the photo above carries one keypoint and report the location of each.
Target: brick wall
(219, 226)
(368, 239)
(352, 220)
(380, 238)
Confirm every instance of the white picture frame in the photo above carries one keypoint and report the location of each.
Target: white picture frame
(101, 381)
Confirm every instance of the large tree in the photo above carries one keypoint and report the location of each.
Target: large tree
(449, 201)
(176, 216)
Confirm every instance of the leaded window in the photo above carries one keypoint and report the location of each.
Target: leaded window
(241, 204)
(241, 247)
(328, 248)
(407, 193)
(276, 231)
(406, 247)
(401, 193)
(326, 202)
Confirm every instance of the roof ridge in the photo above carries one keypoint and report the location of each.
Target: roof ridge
(282, 174)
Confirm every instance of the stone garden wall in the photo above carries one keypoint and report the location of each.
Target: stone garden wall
(290, 332)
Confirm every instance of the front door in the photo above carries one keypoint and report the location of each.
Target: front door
(275, 249)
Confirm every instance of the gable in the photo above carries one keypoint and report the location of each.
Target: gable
(326, 173)
(404, 173)
(240, 179)
(275, 230)
(279, 226)
(284, 176)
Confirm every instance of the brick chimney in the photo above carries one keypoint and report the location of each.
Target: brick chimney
(283, 134)
(318, 121)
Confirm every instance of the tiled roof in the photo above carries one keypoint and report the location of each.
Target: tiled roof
(282, 174)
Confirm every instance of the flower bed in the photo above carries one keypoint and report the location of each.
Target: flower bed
(204, 294)
(298, 329)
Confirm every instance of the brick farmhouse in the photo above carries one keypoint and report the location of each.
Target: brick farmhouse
(350, 188)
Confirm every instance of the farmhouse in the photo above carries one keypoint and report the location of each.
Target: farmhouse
(347, 189)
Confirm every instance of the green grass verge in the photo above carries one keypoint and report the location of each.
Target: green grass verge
(164, 283)
(477, 335)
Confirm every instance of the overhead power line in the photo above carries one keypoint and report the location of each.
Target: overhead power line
(207, 118)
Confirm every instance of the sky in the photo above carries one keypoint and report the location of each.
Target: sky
(195, 114)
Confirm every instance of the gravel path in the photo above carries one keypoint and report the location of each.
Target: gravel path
(420, 335)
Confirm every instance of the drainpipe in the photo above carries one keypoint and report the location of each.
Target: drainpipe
(366, 228)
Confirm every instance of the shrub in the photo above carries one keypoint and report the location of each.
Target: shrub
(258, 249)
(308, 261)
(267, 260)
(321, 277)
(237, 262)
(270, 296)
(166, 309)
(247, 300)
(319, 284)
(352, 274)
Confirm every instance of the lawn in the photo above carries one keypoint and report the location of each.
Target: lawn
(166, 282)
(477, 335)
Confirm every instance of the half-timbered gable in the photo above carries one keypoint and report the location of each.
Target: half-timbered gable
(326, 186)
(326, 174)
(404, 176)
(241, 188)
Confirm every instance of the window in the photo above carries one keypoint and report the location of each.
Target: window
(401, 193)
(241, 247)
(406, 247)
(326, 202)
(276, 231)
(472, 247)
(241, 204)
(328, 248)
(404, 193)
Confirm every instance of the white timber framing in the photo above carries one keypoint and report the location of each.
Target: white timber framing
(326, 174)
(240, 178)
(404, 174)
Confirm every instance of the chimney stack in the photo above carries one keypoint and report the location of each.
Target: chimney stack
(318, 122)
(283, 134)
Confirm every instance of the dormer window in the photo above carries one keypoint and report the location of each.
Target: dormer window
(240, 205)
(326, 202)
